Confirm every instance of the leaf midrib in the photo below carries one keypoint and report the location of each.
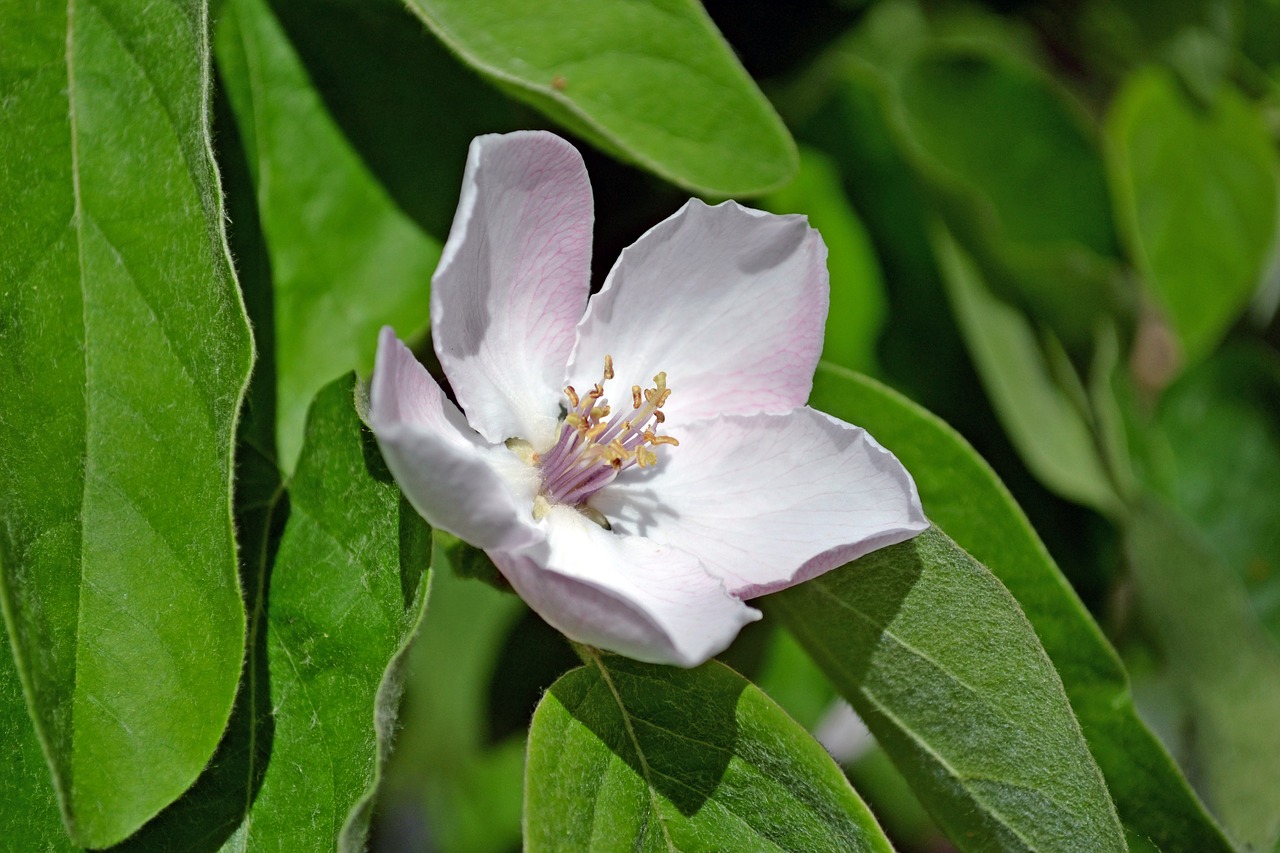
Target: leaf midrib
(635, 744)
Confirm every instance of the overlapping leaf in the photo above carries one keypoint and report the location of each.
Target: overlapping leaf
(126, 355)
(1196, 193)
(334, 606)
(1227, 664)
(963, 495)
(1049, 428)
(345, 259)
(941, 664)
(632, 756)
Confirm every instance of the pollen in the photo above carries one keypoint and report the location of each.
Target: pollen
(596, 443)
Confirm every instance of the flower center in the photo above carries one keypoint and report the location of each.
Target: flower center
(593, 448)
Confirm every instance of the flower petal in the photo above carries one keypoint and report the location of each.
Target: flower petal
(512, 282)
(648, 601)
(452, 479)
(729, 301)
(767, 501)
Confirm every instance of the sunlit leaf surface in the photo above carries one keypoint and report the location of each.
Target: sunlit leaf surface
(126, 352)
(653, 83)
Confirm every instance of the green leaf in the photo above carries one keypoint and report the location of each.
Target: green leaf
(335, 605)
(858, 304)
(345, 259)
(1046, 426)
(1225, 662)
(1195, 192)
(632, 756)
(651, 83)
(963, 495)
(947, 673)
(1035, 215)
(126, 354)
(1221, 429)
(410, 115)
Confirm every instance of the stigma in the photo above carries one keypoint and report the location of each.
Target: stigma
(596, 444)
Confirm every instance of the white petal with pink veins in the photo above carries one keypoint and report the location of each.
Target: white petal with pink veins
(512, 282)
(767, 501)
(456, 481)
(649, 601)
(730, 302)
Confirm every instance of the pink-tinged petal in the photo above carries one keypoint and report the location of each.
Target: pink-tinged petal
(767, 501)
(451, 477)
(512, 282)
(648, 601)
(729, 301)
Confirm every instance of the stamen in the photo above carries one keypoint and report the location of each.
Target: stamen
(593, 447)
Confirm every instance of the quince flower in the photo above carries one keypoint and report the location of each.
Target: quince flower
(637, 463)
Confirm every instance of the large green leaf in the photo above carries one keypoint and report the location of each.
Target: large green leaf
(858, 304)
(335, 604)
(1227, 664)
(948, 674)
(345, 259)
(126, 353)
(1195, 189)
(963, 495)
(653, 83)
(1047, 426)
(632, 756)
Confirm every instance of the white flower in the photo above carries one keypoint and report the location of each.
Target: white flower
(638, 464)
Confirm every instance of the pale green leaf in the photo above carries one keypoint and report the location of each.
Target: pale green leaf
(1220, 427)
(345, 259)
(126, 354)
(1226, 664)
(1045, 424)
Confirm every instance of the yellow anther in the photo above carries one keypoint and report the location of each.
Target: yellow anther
(645, 457)
(572, 395)
(650, 394)
(597, 392)
(573, 420)
(662, 397)
(600, 411)
(595, 430)
(608, 367)
(658, 416)
(662, 439)
(635, 396)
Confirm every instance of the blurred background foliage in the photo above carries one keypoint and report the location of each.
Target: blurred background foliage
(1051, 222)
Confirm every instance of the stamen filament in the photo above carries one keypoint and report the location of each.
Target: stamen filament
(593, 448)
